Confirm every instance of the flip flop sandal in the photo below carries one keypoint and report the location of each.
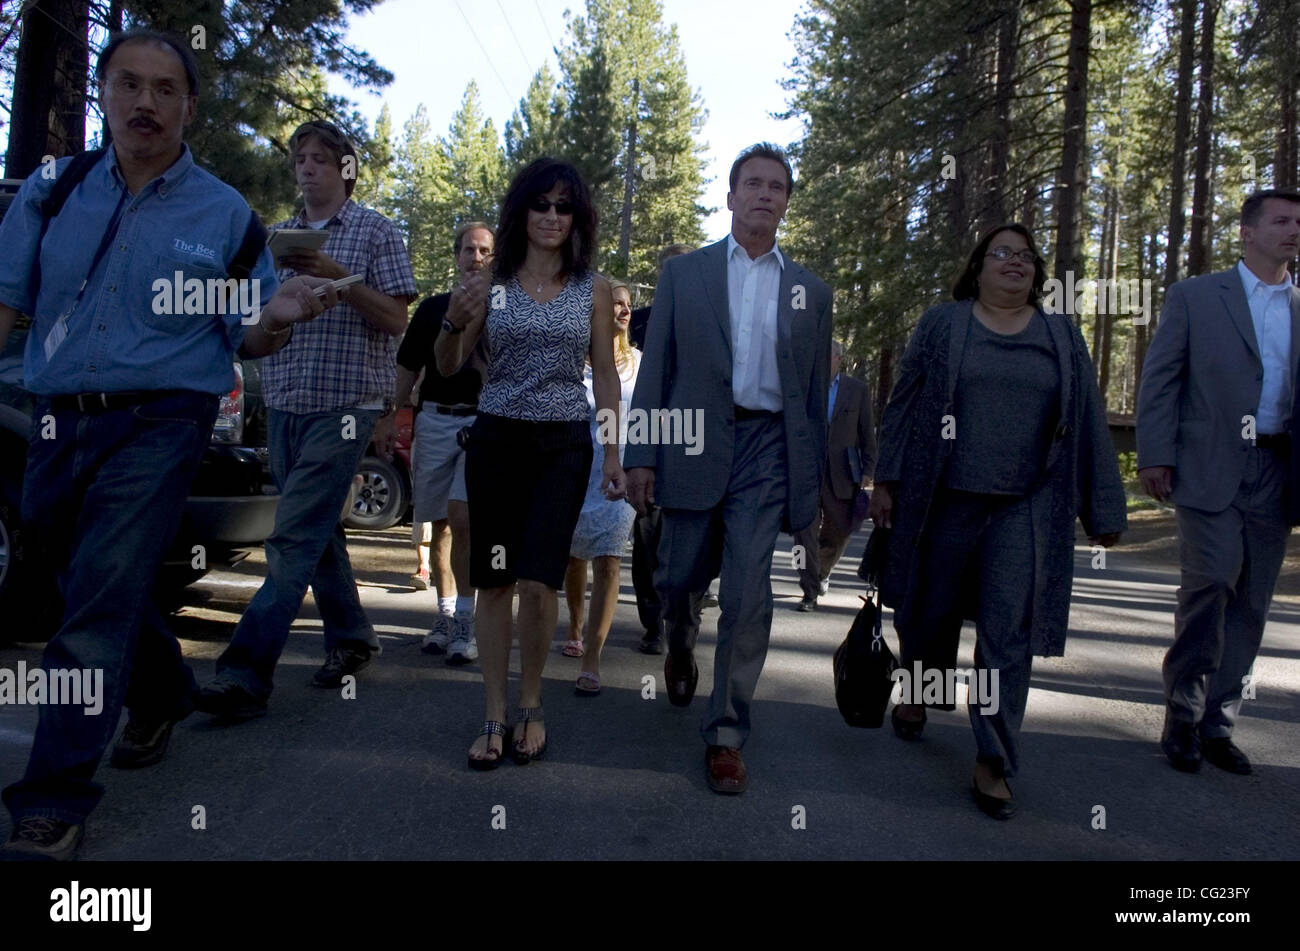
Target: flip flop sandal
(593, 685)
(573, 649)
(524, 716)
(493, 758)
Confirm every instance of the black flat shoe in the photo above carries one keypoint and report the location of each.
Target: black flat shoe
(1181, 744)
(651, 644)
(907, 729)
(992, 806)
(1225, 754)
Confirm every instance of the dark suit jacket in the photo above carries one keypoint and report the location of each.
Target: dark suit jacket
(851, 442)
(636, 327)
(687, 366)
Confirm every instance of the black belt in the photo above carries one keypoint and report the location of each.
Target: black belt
(743, 412)
(452, 410)
(99, 402)
(1275, 442)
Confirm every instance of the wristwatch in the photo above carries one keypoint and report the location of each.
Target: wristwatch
(451, 328)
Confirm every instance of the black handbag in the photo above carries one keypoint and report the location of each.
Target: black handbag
(872, 567)
(864, 667)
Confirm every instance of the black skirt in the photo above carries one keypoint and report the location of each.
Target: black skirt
(525, 483)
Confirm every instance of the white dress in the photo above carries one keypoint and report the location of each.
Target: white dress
(604, 527)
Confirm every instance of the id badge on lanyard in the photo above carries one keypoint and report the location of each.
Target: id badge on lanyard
(59, 332)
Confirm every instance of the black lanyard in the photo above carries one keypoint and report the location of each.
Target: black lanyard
(109, 234)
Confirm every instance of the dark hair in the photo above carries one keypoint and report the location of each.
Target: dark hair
(334, 140)
(968, 285)
(465, 229)
(763, 150)
(532, 181)
(1253, 206)
(668, 252)
(158, 38)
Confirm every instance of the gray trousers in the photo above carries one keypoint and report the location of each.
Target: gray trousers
(737, 537)
(645, 562)
(1230, 561)
(824, 540)
(987, 542)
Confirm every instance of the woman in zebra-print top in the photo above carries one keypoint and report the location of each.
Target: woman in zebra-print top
(529, 451)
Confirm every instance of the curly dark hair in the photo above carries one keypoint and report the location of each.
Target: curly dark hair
(967, 285)
(532, 181)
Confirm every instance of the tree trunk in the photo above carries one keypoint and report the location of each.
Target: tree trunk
(629, 181)
(884, 381)
(1103, 255)
(50, 76)
(1197, 254)
(1071, 178)
(1102, 356)
(1182, 131)
(1004, 90)
(1284, 155)
(959, 223)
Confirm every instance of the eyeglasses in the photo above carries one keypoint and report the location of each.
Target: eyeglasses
(1005, 254)
(542, 206)
(165, 94)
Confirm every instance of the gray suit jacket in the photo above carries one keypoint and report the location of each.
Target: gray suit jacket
(852, 438)
(1201, 376)
(687, 365)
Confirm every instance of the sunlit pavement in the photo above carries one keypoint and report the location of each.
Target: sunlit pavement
(384, 775)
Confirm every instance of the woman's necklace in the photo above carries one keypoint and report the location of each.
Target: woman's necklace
(540, 284)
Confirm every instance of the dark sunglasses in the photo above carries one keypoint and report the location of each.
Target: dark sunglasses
(542, 206)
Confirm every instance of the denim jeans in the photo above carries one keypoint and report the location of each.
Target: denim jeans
(102, 501)
(313, 459)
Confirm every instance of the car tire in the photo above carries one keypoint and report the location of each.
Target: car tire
(382, 498)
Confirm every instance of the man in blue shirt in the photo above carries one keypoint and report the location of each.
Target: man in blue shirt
(126, 393)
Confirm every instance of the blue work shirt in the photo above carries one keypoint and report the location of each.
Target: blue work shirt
(185, 221)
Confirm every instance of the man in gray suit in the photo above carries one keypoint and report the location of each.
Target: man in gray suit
(739, 335)
(1215, 413)
(850, 460)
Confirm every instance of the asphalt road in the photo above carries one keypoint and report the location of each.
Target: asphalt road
(384, 775)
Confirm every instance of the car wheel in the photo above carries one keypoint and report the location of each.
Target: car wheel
(382, 497)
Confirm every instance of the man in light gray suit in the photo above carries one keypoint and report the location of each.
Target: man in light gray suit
(741, 335)
(1215, 414)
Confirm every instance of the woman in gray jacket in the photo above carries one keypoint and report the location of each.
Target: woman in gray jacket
(993, 442)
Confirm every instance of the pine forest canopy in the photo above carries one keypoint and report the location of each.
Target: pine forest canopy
(1125, 133)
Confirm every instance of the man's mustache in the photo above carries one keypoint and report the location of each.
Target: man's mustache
(144, 122)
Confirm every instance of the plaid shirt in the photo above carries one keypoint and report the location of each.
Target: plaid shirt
(339, 360)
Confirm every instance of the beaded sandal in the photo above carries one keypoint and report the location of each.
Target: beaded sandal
(493, 758)
(524, 716)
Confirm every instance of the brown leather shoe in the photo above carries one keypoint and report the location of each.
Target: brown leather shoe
(726, 770)
(681, 675)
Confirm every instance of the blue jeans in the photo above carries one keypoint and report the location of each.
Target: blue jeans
(313, 459)
(102, 500)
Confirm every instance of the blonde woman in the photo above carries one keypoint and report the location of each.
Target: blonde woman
(604, 526)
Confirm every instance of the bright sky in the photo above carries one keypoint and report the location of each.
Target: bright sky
(736, 54)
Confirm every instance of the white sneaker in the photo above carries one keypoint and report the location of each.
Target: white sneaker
(826, 586)
(463, 648)
(440, 635)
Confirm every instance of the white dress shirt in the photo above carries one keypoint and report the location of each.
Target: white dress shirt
(752, 290)
(1270, 312)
